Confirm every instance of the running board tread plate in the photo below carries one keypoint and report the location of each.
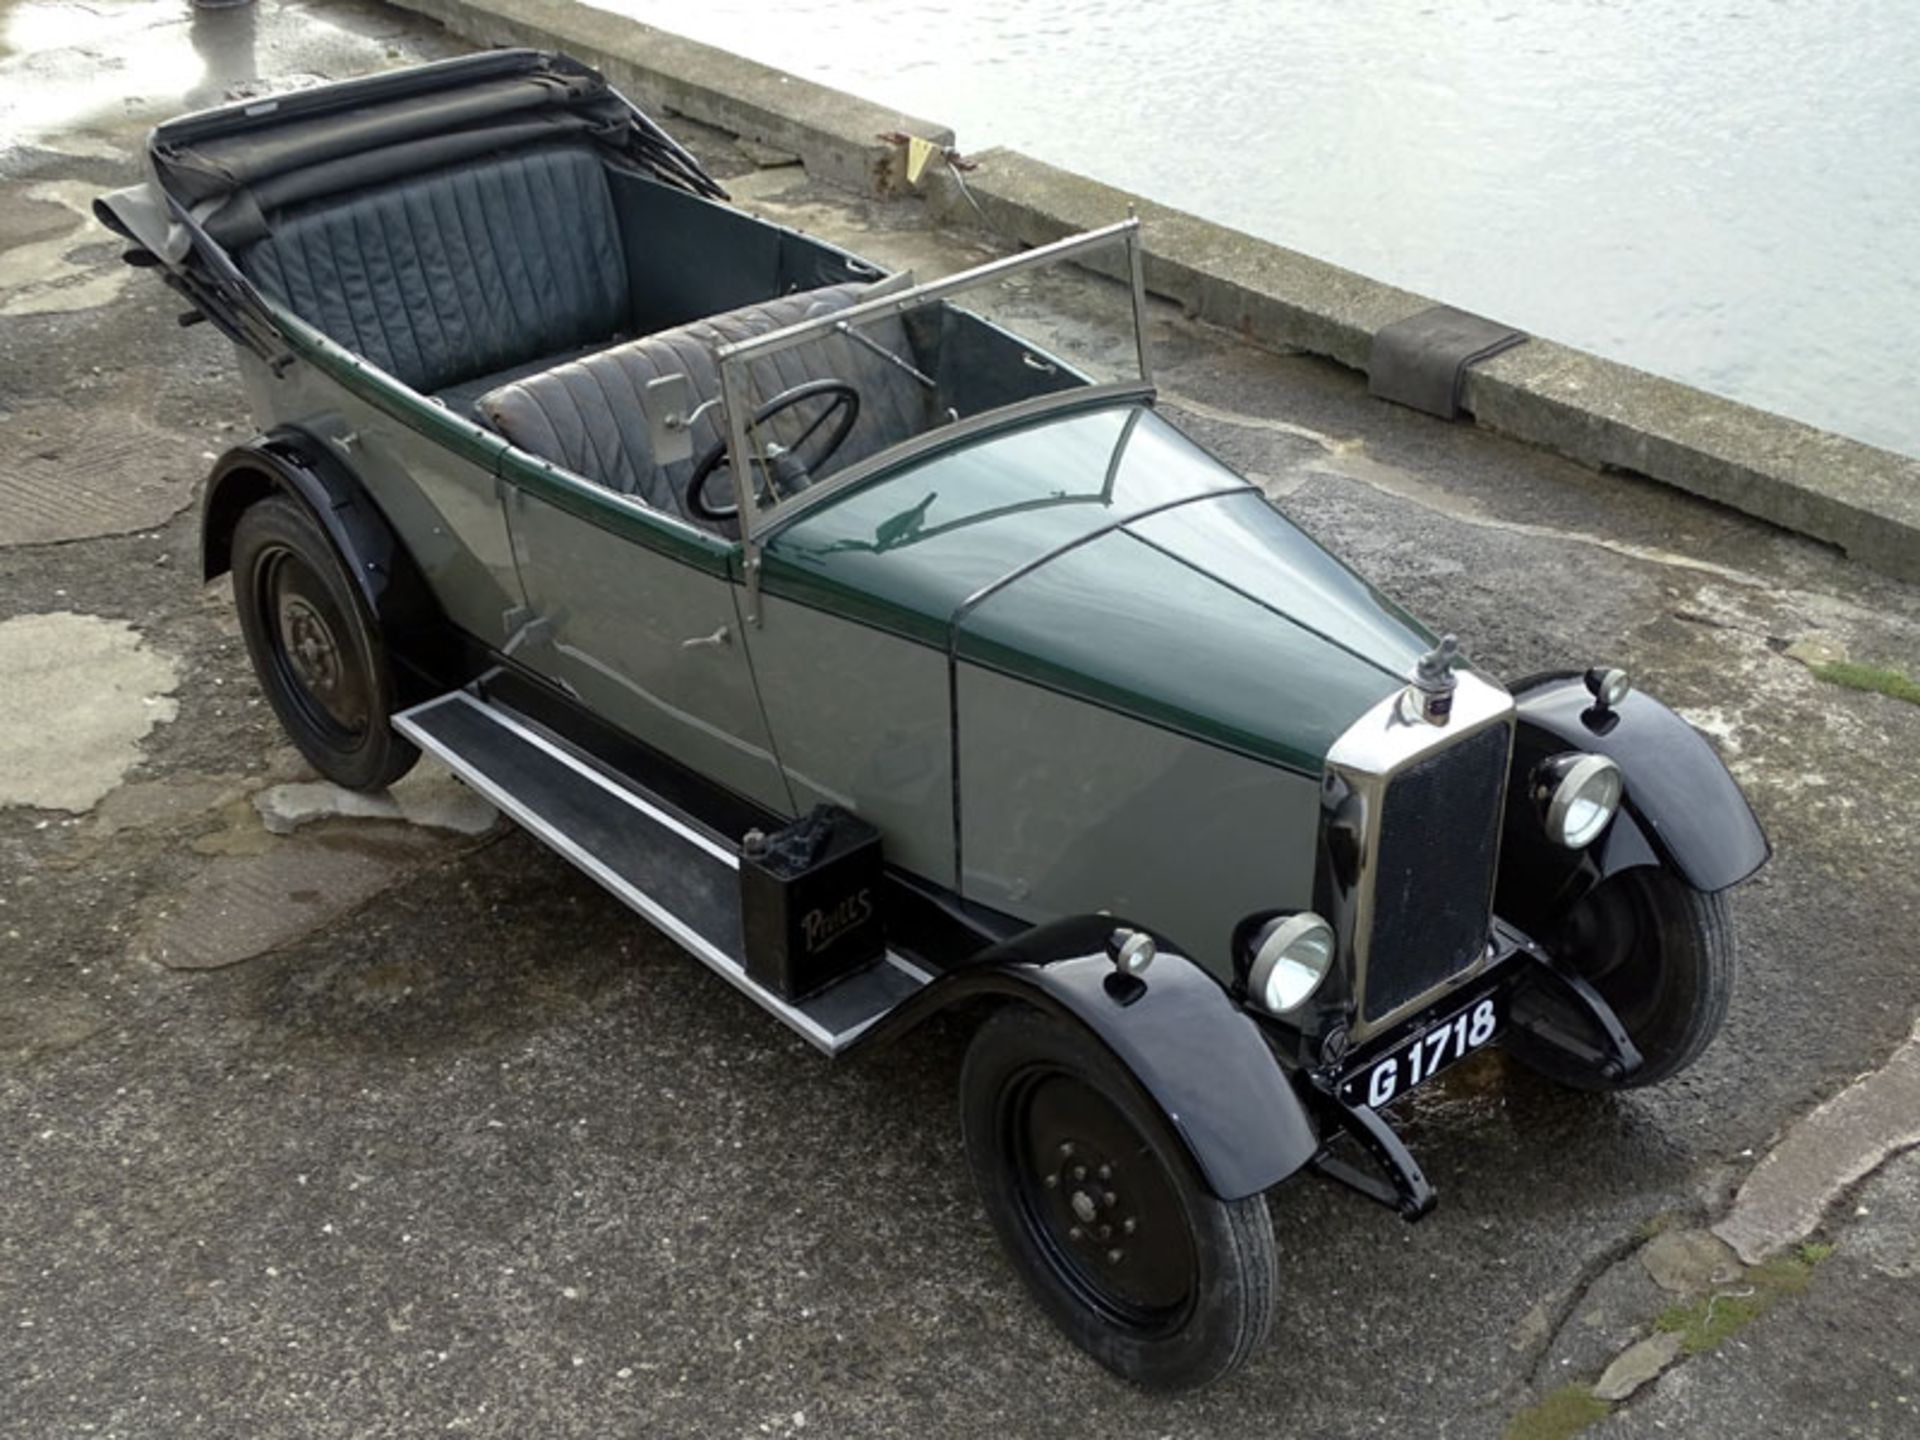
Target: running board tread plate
(678, 875)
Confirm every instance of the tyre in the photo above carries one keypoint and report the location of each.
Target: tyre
(1662, 955)
(316, 647)
(1102, 1212)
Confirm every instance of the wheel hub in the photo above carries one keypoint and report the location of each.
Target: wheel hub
(1103, 1206)
(310, 646)
(1091, 1207)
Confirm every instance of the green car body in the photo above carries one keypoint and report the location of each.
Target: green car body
(1100, 630)
(1100, 699)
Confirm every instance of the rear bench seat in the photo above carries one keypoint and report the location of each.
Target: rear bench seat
(586, 417)
(457, 280)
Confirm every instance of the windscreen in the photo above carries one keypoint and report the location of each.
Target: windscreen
(862, 371)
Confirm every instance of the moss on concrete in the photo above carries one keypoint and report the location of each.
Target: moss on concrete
(1872, 678)
(1654, 1226)
(1707, 1320)
(1558, 1414)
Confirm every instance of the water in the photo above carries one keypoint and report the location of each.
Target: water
(1726, 192)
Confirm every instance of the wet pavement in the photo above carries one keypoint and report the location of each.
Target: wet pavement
(376, 1127)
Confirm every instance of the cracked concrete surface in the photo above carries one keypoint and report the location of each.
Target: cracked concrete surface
(82, 693)
(473, 1150)
(67, 480)
(1825, 1153)
(1838, 1359)
(52, 273)
(428, 796)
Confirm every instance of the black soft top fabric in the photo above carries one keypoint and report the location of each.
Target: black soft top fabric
(208, 154)
(233, 167)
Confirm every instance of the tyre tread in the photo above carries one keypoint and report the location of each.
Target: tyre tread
(1236, 1311)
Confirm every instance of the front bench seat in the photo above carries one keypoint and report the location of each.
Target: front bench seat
(586, 416)
(460, 273)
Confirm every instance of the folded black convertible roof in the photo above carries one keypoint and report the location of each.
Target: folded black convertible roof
(232, 165)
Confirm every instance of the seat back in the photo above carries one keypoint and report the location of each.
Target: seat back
(456, 273)
(586, 416)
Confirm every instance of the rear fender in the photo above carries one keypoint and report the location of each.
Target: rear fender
(1189, 1048)
(290, 462)
(1682, 810)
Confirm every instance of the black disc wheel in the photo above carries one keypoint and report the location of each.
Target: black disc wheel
(315, 647)
(1100, 1208)
(1662, 955)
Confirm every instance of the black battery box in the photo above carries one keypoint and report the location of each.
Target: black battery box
(810, 897)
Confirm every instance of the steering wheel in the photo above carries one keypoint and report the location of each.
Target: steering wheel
(787, 472)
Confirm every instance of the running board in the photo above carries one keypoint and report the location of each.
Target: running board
(658, 861)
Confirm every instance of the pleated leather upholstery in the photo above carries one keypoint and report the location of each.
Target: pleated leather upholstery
(460, 273)
(586, 415)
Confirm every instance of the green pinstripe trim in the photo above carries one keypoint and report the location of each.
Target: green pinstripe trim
(1017, 665)
(384, 393)
(784, 580)
(559, 488)
(629, 520)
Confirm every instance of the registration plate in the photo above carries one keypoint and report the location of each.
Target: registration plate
(1424, 1054)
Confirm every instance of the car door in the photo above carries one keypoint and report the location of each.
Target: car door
(635, 613)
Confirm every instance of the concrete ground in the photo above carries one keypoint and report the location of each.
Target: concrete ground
(393, 1124)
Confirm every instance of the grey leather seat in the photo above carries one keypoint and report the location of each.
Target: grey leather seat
(586, 416)
(463, 273)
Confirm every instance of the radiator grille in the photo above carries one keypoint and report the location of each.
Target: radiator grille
(1433, 871)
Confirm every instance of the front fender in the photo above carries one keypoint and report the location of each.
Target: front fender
(1192, 1052)
(1682, 809)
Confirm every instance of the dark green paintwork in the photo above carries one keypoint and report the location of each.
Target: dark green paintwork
(1125, 625)
(596, 505)
(1249, 546)
(908, 549)
(1216, 617)
(377, 388)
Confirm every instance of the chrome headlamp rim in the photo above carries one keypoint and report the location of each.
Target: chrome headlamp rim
(1292, 962)
(1567, 782)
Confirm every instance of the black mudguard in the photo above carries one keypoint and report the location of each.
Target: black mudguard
(1193, 1053)
(1682, 810)
(290, 462)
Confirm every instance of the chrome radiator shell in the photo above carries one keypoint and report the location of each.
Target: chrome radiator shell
(1383, 746)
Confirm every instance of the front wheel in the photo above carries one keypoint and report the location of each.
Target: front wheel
(1662, 955)
(1101, 1210)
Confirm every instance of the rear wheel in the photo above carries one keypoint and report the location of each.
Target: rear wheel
(316, 647)
(1662, 955)
(1099, 1207)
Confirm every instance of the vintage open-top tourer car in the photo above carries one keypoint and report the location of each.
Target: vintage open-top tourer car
(887, 661)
